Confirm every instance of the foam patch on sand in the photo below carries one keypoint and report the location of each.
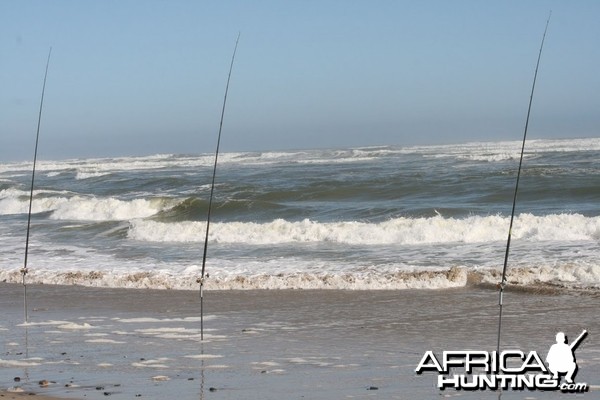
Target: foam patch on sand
(177, 333)
(106, 341)
(204, 356)
(315, 361)
(267, 363)
(158, 363)
(154, 320)
(18, 363)
(171, 333)
(44, 323)
(74, 326)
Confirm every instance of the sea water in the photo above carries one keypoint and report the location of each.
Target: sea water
(364, 218)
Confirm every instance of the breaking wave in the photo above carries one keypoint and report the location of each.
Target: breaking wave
(67, 206)
(476, 151)
(409, 231)
(572, 276)
(362, 218)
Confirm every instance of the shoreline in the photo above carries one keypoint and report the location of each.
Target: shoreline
(271, 344)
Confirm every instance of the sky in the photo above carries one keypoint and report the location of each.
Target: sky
(143, 77)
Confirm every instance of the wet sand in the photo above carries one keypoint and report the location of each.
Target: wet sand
(90, 343)
(18, 396)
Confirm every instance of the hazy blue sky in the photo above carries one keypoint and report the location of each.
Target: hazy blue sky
(143, 77)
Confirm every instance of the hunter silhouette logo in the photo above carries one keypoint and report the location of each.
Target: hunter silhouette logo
(509, 369)
(561, 357)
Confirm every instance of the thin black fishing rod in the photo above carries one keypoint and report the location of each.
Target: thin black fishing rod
(24, 271)
(210, 200)
(514, 204)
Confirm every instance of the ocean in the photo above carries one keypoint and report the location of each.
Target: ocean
(386, 217)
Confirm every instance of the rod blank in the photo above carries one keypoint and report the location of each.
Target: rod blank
(514, 203)
(212, 189)
(25, 270)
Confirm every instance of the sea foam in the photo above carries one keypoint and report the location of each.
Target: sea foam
(361, 218)
(576, 275)
(66, 206)
(438, 229)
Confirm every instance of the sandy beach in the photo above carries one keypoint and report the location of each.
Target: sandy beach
(91, 343)
(17, 396)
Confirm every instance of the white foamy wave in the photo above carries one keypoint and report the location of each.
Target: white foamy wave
(87, 175)
(11, 202)
(240, 278)
(573, 276)
(409, 231)
(507, 150)
(15, 201)
(491, 157)
(108, 209)
(153, 231)
(91, 167)
(569, 275)
(66, 206)
(475, 151)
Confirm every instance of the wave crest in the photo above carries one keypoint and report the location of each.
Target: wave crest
(109, 209)
(66, 206)
(408, 231)
(568, 276)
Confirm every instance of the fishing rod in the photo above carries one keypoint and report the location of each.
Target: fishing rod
(210, 201)
(502, 284)
(25, 270)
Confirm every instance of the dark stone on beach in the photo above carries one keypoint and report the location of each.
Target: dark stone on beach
(212, 389)
(17, 379)
(190, 379)
(372, 388)
(99, 387)
(107, 393)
